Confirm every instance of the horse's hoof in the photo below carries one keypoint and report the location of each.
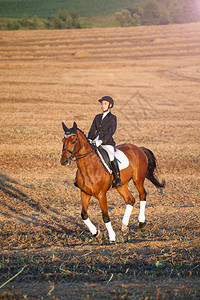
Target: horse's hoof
(125, 229)
(143, 226)
(112, 243)
(98, 236)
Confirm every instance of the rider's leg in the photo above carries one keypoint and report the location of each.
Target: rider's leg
(116, 173)
(114, 165)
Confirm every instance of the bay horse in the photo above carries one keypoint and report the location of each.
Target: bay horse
(93, 180)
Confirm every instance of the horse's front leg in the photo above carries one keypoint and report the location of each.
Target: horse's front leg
(85, 203)
(104, 208)
(92, 228)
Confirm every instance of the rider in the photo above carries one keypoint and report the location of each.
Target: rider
(101, 133)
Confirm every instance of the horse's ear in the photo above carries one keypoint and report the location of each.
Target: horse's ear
(74, 126)
(64, 127)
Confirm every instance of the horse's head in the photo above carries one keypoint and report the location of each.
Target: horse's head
(70, 144)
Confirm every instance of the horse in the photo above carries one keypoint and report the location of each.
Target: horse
(93, 180)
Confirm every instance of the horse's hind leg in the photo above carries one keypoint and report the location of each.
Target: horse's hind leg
(142, 194)
(129, 199)
(85, 203)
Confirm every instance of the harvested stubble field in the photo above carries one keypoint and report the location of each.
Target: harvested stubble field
(47, 77)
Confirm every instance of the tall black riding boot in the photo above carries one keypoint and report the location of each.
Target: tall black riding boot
(116, 173)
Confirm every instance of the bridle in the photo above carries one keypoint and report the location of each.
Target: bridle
(73, 152)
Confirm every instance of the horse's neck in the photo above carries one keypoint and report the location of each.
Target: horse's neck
(84, 144)
(84, 149)
(90, 163)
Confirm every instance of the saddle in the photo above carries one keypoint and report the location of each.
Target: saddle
(121, 158)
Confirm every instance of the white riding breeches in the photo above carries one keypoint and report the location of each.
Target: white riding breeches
(110, 150)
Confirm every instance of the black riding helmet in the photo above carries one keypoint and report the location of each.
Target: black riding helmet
(108, 99)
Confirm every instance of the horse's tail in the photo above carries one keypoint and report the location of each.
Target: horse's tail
(151, 168)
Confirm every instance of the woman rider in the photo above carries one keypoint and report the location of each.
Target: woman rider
(102, 131)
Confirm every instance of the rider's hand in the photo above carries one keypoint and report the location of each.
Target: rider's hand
(97, 143)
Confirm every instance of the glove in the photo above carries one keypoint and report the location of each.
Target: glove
(90, 141)
(97, 143)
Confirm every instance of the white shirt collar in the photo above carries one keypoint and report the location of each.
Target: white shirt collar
(105, 114)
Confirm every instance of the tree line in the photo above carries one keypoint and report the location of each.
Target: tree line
(154, 12)
(66, 19)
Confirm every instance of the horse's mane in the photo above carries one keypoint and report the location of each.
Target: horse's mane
(83, 134)
(81, 131)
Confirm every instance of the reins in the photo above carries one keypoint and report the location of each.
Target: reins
(73, 153)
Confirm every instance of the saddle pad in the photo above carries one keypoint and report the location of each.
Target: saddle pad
(122, 159)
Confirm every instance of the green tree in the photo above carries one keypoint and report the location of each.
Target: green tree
(25, 21)
(13, 25)
(56, 22)
(138, 9)
(75, 18)
(149, 12)
(63, 15)
(35, 22)
(136, 20)
(65, 20)
(124, 18)
(68, 23)
(152, 13)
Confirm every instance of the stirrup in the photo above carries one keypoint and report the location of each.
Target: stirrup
(117, 183)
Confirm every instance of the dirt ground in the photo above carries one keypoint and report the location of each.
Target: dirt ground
(46, 77)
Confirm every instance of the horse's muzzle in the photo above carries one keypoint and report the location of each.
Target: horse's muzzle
(65, 161)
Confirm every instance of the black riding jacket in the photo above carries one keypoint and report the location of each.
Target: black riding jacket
(103, 128)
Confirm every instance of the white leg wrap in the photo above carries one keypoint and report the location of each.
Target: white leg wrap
(127, 214)
(141, 216)
(111, 232)
(91, 226)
